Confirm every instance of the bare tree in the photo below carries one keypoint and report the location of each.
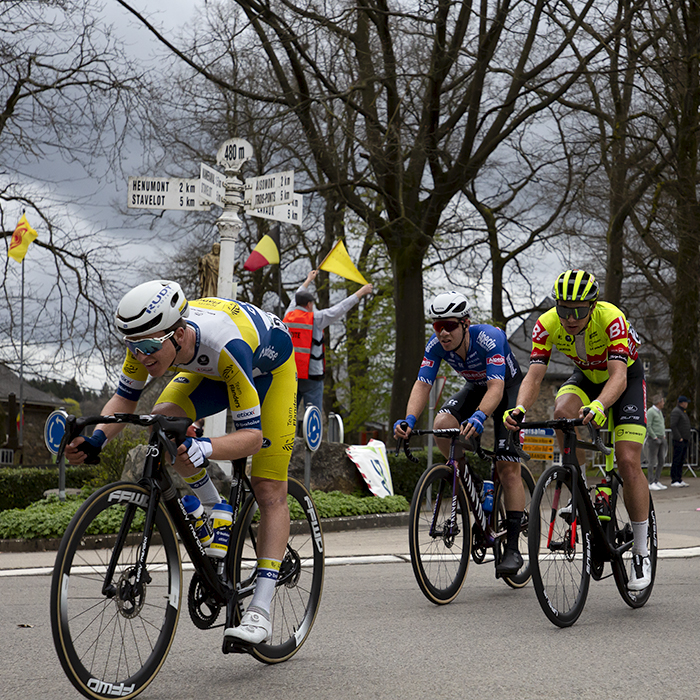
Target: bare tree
(434, 91)
(64, 92)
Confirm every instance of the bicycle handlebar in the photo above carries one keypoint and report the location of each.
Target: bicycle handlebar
(170, 428)
(472, 445)
(566, 425)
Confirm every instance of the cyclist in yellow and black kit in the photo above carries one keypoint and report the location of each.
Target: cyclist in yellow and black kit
(229, 355)
(597, 337)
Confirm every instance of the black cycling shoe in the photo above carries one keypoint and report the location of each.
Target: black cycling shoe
(510, 564)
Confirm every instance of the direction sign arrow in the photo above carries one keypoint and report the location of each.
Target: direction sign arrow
(165, 193)
(54, 429)
(211, 185)
(233, 153)
(291, 213)
(269, 190)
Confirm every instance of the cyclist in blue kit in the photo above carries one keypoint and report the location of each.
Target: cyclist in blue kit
(481, 354)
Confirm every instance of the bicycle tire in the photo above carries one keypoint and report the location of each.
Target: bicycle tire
(298, 593)
(115, 645)
(620, 529)
(523, 575)
(440, 560)
(559, 556)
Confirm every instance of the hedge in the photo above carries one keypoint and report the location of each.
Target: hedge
(20, 486)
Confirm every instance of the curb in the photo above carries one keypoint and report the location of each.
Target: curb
(342, 524)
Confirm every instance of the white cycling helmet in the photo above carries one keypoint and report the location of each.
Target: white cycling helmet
(449, 305)
(150, 307)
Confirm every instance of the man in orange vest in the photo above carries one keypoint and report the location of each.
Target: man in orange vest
(306, 325)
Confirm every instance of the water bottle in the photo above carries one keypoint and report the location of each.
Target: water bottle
(487, 496)
(602, 500)
(222, 517)
(195, 509)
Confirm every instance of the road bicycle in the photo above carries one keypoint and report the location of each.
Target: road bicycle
(115, 599)
(575, 529)
(441, 536)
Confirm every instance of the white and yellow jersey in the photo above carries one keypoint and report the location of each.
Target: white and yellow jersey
(236, 343)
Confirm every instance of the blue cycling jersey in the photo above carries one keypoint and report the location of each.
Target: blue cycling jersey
(489, 357)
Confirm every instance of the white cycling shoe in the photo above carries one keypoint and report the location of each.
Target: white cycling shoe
(640, 574)
(254, 629)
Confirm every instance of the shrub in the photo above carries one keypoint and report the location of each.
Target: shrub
(21, 486)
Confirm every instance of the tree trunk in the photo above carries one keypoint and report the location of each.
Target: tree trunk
(410, 333)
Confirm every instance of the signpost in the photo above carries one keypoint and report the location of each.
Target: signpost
(539, 443)
(312, 430)
(165, 193)
(54, 430)
(269, 196)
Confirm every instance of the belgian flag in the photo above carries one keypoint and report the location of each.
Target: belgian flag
(267, 252)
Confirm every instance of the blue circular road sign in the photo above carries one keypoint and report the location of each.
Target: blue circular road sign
(312, 428)
(54, 430)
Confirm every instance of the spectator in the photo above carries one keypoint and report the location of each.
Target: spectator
(306, 325)
(680, 432)
(656, 443)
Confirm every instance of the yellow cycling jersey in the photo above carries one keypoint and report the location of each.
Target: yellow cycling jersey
(608, 336)
(236, 343)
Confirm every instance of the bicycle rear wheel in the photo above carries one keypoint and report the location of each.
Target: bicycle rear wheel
(620, 532)
(559, 548)
(440, 548)
(298, 593)
(523, 576)
(112, 643)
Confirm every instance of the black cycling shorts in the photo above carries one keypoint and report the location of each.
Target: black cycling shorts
(463, 404)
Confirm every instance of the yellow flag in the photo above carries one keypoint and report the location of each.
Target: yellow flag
(338, 261)
(24, 234)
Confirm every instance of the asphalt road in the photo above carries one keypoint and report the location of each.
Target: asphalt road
(376, 635)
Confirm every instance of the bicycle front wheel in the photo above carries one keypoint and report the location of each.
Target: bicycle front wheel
(298, 593)
(620, 533)
(523, 576)
(113, 636)
(559, 548)
(440, 545)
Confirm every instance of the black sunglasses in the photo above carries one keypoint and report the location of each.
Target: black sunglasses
(578, 312)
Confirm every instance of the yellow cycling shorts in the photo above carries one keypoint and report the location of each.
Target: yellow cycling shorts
(200, 396)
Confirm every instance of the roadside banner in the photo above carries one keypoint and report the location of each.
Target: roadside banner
(371, 461)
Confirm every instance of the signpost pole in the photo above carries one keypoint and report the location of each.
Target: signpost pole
(232, 155)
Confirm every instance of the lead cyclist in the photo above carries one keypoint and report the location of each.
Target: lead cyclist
(228, 355)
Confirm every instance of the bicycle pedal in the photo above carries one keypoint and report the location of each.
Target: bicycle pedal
(235, 646)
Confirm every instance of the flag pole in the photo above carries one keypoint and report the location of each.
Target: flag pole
(21, 362)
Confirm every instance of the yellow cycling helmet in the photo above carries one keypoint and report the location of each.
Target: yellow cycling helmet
(575, 285)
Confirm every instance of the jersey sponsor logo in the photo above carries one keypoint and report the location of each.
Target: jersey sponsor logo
(510, 360)
(181, 380)
(426, 362)
(203, 360)
(617, 329)
(432, 343)
(242, 415)
(539, 333)
(129, 368)
(126, 381)
(486, 341)
(268, 352)
(496, 360)
(266, 443)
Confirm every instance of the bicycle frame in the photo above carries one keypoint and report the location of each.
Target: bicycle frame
(482, 520)
(160, 485)
(602, 547)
